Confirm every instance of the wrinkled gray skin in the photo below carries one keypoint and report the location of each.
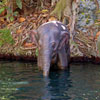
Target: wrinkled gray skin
(52, 39)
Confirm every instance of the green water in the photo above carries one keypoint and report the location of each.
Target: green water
(23, 81)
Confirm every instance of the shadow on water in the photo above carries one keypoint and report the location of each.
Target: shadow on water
(23, 81)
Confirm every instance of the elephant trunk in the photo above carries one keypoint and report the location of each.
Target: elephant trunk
(46, 62)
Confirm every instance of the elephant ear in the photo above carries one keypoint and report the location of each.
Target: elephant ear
(64, 38)
(34, 36)
(64, 33)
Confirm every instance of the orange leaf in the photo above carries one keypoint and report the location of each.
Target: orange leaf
(28, 44)
(10, 24)
(98, 33)
(91, 37)
(52, 18)
(21, 19)
(45, 15)
(35, 15)
(18, 31)
(2, 20)
(98, 19)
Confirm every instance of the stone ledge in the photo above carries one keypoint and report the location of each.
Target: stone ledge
(95, 60)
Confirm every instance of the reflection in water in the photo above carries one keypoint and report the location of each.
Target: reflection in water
(57, 85)
(23, 81)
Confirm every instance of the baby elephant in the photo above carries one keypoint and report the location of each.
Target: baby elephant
(52, 39)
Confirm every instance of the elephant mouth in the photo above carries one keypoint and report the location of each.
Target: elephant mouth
(54, 56)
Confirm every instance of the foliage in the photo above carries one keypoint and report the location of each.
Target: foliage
(19, 3)
(5, 37)
(5, 5)
(2, 6)
(36, 52)
(2, 9)
(87, 25)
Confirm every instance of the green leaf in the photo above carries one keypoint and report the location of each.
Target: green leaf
(9, 10)
(1, 43)
(1, 3)
(6, 36)
(11, 18)
(36, 52)
(15, 13)
(19, 3)
(2, 9)
(4, 1)
(83, 13)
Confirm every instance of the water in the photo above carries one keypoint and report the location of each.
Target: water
(23, 81)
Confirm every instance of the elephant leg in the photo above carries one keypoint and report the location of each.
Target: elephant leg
(40, 65)
(68, 52)
(68, 55)
(63, 59)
